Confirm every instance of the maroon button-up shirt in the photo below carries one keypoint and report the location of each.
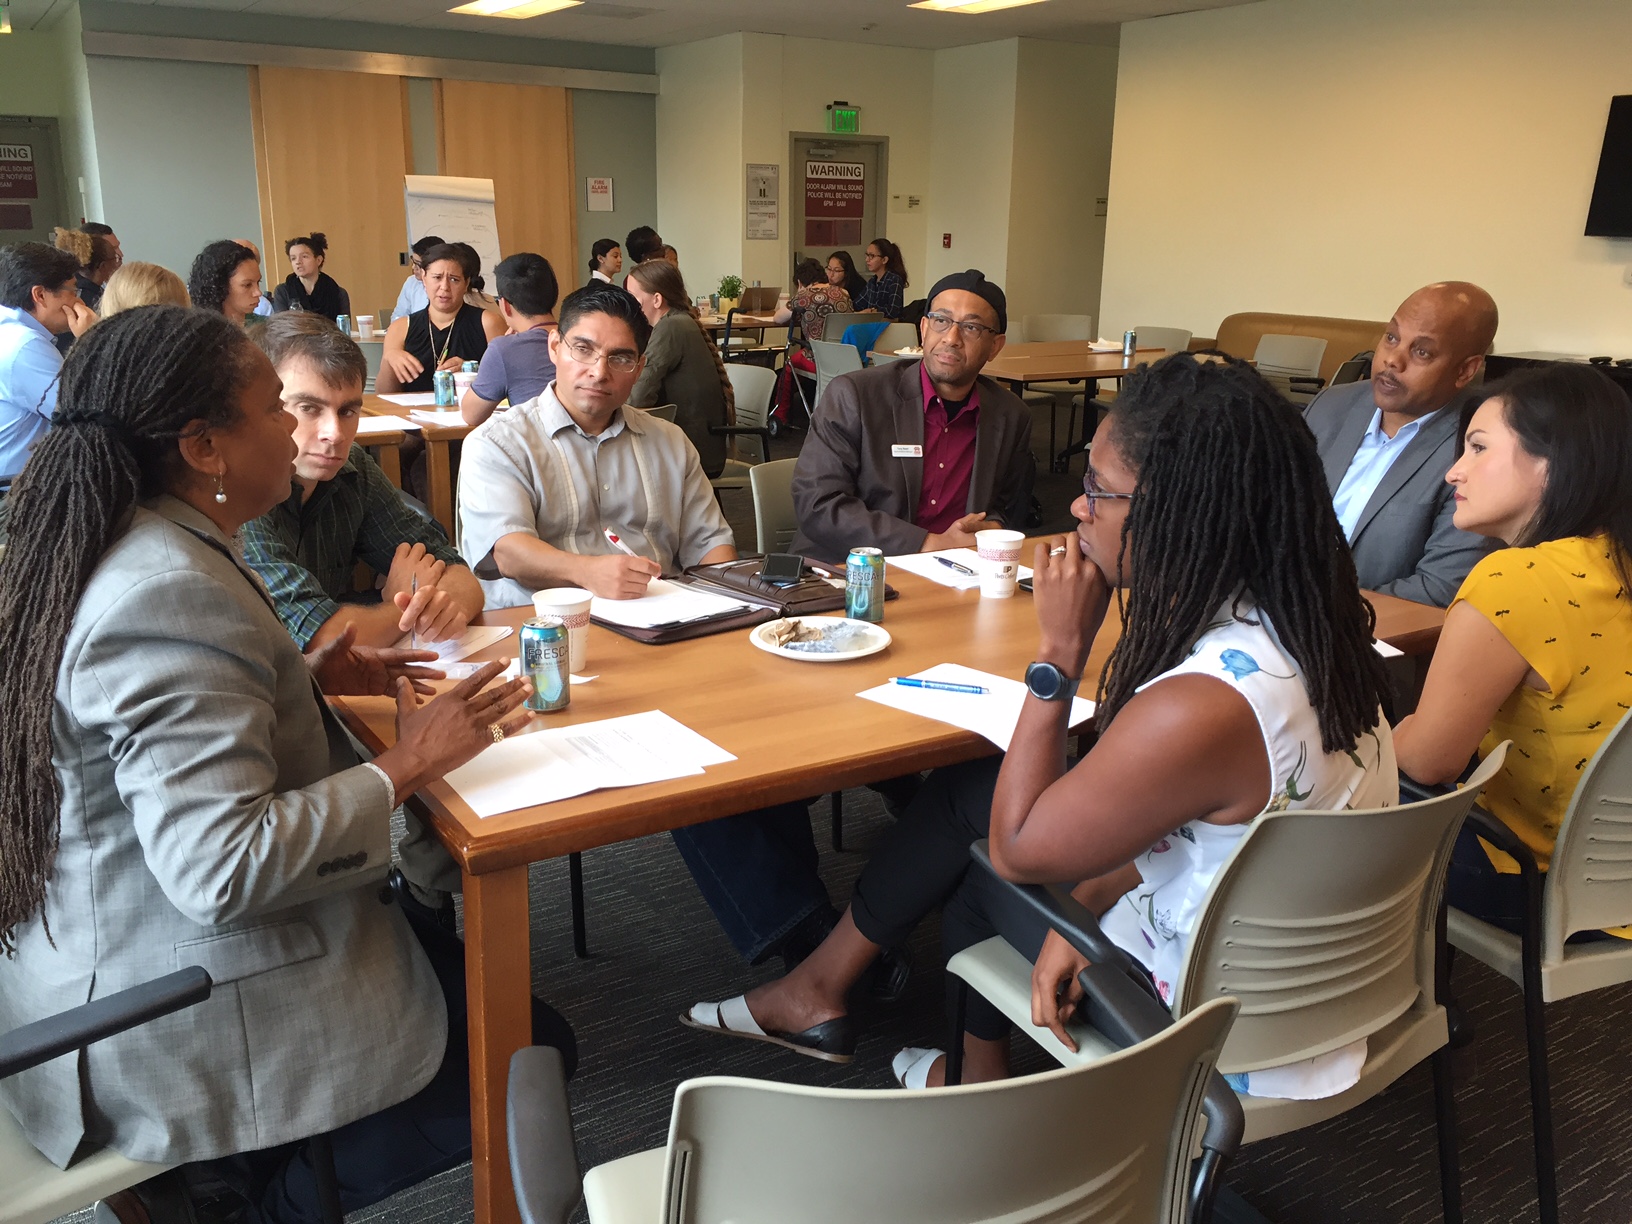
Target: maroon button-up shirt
(949, 459)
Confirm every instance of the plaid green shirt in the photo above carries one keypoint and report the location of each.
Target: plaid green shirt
(307, 554)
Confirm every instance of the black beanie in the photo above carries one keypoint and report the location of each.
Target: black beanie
(975, 282)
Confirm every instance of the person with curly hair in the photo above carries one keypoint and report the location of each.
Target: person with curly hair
(308, 287)
(226, 277)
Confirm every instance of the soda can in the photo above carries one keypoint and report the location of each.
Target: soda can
(442, 380)
(546, 661)
(468, 368)
(1130, 343)
(343, 322)
(864, 585)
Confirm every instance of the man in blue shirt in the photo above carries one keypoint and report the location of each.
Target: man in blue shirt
(38, 302)
(517, 367)
(413, 296)
(1386, 443)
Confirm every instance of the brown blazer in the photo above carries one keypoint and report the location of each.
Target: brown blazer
(850, 492)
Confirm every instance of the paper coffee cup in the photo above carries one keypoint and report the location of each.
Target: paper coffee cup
(365, 327)
(572, 605)
(461, 384)
(999, 551)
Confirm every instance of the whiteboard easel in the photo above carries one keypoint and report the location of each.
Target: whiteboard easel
(455, 210)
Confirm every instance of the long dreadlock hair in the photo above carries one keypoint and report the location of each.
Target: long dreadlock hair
(1232, 499)
(131, 387)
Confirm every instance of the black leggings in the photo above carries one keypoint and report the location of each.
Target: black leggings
(923, 862)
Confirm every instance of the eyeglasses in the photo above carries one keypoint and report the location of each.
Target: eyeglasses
(1092, 491)
(939, 321)
(587, 354)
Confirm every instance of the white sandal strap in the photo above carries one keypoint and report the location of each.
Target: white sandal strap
(912, 1066)
(732, 1015)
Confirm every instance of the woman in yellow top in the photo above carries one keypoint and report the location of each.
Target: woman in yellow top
(1538, 642)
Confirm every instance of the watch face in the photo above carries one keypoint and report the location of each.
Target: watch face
(1045, 680)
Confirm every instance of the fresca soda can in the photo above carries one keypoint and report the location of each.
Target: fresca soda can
(470, 367)
(546, 663)
(1130, 343)
(343, 322)
(442, 381)
(864, 585)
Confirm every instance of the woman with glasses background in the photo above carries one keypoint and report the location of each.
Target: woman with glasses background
(887, 281)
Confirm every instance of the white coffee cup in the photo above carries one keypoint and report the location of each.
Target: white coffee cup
(461, 383)
(365, 327)
(571, 604)
(999, 550)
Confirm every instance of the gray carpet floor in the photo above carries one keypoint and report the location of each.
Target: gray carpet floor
(655, 949)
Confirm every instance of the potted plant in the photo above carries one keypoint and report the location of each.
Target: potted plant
(730, 293)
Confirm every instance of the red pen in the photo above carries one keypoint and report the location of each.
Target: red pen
(613, 539)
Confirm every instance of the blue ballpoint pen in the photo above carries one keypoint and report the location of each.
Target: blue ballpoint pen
(413, 633)
(939, 686)
(951, 564)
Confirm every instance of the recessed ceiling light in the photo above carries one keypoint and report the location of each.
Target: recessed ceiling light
(514, 8)
(969, 6)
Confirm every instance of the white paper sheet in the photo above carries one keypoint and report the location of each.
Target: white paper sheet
(429, 416)
(384, 424)
(477, 637)
(665, 603)
(993, 714)
(561, 762)
(412, 399)
(1387, 651)
(464, 671)
(926, 566)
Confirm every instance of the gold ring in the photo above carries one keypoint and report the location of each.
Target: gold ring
(496, 731)
(1056, 552)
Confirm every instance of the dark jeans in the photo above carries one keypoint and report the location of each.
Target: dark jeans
(398, 1147)
(757, 871)
(1475, 887)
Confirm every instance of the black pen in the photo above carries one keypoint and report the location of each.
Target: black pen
(951, 564)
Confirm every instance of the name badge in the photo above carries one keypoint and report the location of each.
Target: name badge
(906, 452)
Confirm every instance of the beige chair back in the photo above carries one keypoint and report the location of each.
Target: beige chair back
(1290, 355)
(1320, 958)
(663, 412)
(832, 359)
(1108, 1141)
(896, 336)
(1589, 881)
(1238, 334)
(774, 515)
(834, 324)
(1052, 328)
(751, 387)
(1169, 339)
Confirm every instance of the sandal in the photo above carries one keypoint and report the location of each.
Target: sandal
(831, 1041)
(911, 1067)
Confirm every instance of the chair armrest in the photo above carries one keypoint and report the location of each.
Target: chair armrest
(1305, 382)
(1502, 837)
(33, 1044)
(538, 1121)
(1061, 911)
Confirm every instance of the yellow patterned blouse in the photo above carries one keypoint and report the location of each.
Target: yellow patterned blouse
(1563, 607)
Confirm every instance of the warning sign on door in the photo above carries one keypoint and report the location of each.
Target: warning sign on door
(17, 180)
(835, 196)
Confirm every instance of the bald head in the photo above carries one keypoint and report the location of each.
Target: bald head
(1433, 347)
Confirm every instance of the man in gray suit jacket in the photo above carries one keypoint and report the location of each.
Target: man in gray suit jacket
(916, 456)
(1387, 442)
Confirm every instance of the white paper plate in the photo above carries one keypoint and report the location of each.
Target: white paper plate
(870, 641)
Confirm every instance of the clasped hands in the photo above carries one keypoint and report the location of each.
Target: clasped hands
(427, 610)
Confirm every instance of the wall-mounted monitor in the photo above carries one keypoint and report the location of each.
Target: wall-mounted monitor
(1610, 214)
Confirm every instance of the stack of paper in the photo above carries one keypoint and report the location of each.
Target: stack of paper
(993, 714)
(477, 637)
(369, 425)
(561, 762)
(428, 416)
(664, 605)
(925, 565)
(412, 399)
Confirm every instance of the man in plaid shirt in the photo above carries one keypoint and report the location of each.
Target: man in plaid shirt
(343, 510)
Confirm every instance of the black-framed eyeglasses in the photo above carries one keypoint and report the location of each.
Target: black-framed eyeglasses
(940, 321)
(587, 354)
(1092, 491)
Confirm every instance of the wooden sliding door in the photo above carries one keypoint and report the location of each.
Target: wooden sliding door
(520, 136)
(330, 155)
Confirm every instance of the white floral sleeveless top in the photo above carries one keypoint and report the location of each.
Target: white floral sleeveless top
(1154, 922)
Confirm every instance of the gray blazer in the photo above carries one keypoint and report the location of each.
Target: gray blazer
(850, 492)
(213, 813)
(1405, 543)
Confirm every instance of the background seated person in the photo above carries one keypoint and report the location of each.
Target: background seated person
(308, 287)
(517, 366)
(343, 510)
(814, 299)
(1536, 645)
(842, 274)
(1244, 681)
(915, 456)
(98, 257)
(443, 336)
(177, 793)
(539, 484)
(226, 277)
(643, 243)
(412, 296)
(682, 366)
(39, 301)
(142, 284)
(1387, 441)
(605, 260)
(887, 281)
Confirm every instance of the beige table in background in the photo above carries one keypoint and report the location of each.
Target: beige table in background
(722, 688)
(439, 443)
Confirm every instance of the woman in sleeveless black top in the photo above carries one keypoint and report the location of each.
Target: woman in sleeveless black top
(445, 334)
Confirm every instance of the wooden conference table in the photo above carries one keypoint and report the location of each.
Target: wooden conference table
(721, 687)
(439, 443)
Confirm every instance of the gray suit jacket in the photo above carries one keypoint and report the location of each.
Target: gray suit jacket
(213, 813)
(1404, 543)
(850, 492)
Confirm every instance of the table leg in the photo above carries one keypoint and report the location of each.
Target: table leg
(439, 479)
(498, 981)
(390, 460)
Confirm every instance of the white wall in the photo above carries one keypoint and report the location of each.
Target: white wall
(1330, 156)
(972, 159)
(699, 157)
(42, 73)
(79, 159)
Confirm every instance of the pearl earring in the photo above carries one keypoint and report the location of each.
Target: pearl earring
(220, 493)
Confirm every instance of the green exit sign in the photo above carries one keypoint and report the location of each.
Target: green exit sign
(842, 117)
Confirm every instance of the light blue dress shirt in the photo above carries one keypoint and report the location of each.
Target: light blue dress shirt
(263, 307)
(29, 370)
(413, 297)
(1376, 454)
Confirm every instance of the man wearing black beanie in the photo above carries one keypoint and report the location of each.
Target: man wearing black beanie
(916, 456)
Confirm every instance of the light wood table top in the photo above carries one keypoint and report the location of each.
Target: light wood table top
(797, 729)
(439, 443)
(1059, 361)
